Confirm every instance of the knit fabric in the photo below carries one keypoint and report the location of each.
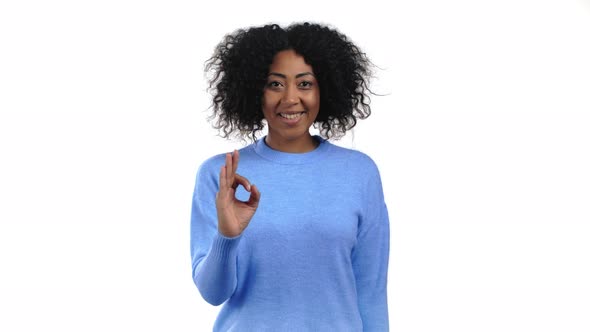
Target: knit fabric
(314, 256)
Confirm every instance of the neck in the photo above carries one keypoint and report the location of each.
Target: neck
(300, 145)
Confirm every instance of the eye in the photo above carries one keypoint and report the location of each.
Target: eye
(306, 84)
(274, 84)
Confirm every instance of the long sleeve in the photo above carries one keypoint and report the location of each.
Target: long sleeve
(315, 255)
(214, 256)
(370, 258)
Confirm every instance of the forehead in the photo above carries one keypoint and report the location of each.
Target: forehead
(289, 63)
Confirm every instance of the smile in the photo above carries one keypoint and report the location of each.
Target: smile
(292, 116)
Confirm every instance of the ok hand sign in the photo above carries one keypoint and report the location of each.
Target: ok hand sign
(233, 215)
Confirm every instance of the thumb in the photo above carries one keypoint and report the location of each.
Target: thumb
(254, 196)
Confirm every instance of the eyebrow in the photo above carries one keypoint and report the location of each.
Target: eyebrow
(285, 76)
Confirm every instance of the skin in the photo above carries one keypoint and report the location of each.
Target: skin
(291, 88)
(233, 215)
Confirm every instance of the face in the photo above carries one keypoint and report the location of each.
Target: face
(291, 98)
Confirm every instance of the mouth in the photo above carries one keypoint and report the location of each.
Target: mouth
(291, 115)
(291, 119)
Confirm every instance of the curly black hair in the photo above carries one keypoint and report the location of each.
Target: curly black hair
(240, 67)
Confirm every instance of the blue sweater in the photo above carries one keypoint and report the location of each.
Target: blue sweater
(314, 256)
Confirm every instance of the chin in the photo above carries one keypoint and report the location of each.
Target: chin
(291, 134)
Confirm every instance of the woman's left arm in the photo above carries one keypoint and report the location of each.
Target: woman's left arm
(370, 257)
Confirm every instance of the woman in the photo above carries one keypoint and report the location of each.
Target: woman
(291, 231)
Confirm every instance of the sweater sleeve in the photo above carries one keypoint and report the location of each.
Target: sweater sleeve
(370, 257)
(214, 256)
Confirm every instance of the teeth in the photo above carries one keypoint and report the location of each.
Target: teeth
(290, 116)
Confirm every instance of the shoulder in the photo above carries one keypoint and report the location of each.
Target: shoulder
(214, 163)
(208, 170)
(356, 159)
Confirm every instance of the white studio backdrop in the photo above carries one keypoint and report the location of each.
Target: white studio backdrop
(481, 138)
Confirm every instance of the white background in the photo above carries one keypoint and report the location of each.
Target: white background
(482, 141)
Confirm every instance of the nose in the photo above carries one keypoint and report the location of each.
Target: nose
(291, 95)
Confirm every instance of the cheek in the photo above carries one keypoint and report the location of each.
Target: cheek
(264, 102)
(313, 101)
(267, 100)
(267, 106)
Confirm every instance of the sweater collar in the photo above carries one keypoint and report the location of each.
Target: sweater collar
(281, 157)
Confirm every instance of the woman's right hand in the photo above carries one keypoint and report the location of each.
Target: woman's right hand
(233, 215)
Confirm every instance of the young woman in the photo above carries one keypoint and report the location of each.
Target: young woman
(291, 232)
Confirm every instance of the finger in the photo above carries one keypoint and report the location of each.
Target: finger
(238, 179)
(236, 159)
(222, 179)
(254, 197)
(229, 176)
